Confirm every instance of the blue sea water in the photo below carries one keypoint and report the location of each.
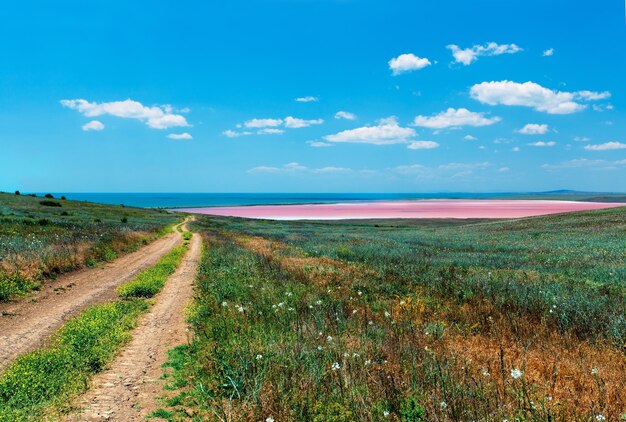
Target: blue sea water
(178, 200)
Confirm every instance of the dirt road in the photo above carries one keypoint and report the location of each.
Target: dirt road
(27, 324)
(128, 389)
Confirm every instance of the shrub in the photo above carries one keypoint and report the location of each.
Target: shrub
(17, 192)
(124, 220)
(50, 203)
(49, 195)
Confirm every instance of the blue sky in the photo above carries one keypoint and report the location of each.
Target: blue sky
(395, 96)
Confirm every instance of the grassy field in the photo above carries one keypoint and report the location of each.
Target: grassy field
(43, 237)
(518, 320)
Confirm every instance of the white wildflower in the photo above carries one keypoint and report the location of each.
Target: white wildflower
(259, 357)
(516, 373)
(594, 371)
(224, 304)
(335, 366)
(368, 362)
(485, 372)
(359, 293)
(600, 418)
(319, 302)
(370, 322)
(443, 405)
(329, 338)
(387, 314)
(386, 413)
(270, 419)
(319, 348)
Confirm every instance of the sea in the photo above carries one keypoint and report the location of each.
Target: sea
(189, 200)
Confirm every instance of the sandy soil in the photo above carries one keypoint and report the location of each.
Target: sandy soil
(28, 323)
(436, 208)
(128, 389)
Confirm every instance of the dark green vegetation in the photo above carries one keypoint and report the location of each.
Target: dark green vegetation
(339, 322)
(40, 384)
(42, 238)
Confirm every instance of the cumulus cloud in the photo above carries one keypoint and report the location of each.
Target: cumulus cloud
(345, 115)
(93, 125)
(581, 139)
(607, 146)
(469, 138)
(295, 123)
(503, 169)
(407, 63)
(270, 131)
(184, 135)
(261, 123)
(294, 168)
(542, 144)
(320, 144)
(534, 129)
(386, 132)
(530, 94)
(308, 99)
(234, 134)
(467, 56)
(156, 117)
(423, 145)
(549, 52)
(450, 170)
(454, 118)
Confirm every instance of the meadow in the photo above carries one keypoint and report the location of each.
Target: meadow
(407, 321)
(42, 237)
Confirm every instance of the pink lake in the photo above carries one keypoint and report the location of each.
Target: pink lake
(436, 208)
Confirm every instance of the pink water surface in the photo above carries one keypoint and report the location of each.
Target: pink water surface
(438, 208)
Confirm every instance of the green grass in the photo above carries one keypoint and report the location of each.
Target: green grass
(150, 282)
(341, 321)
(40, 239)
(42, 383)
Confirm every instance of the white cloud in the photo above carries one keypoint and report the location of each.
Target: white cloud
(319, 144)
(407, 63)
(270, 131)
(385, 133)
(534, 129)
(503, 169)
(345, 115)
(549, 52)
(470, 138)
(93, 125)
(516, 149)
(578, 163)
(308, 99)
(184, 135)
(530, 94)
(294, 168)
(592, 95)
(423, 145)
(295, 123)
(469, 55)
(156, 117)
(260, 123)
(454, 118)
(606, 146)
(450, 170)
(581, 139)
(542, 144)
(234, 134)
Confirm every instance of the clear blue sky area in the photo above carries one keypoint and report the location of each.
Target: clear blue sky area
(312, 96)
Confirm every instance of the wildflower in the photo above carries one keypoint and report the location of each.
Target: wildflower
(370, 322)
(240, 308)
(549, 398)
(319, 348)
(289, 294)
(516, 373)
(368, 362)
(310, 306)
(600, 418)
(335, 366)
(224, 304)
(270, 419)
(346, 355)
(360, 293)
(329, 338)
(443, 405)
(290, 309)
(281, 304)
(386, 413)
(354, 311)
(485, 372)
(259, 357)
(402, 302)
(319, 302)
(387, 314)
(355, 355)
(594, 371)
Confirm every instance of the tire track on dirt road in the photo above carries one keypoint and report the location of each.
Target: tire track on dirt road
(128, 389)
(28, 323)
